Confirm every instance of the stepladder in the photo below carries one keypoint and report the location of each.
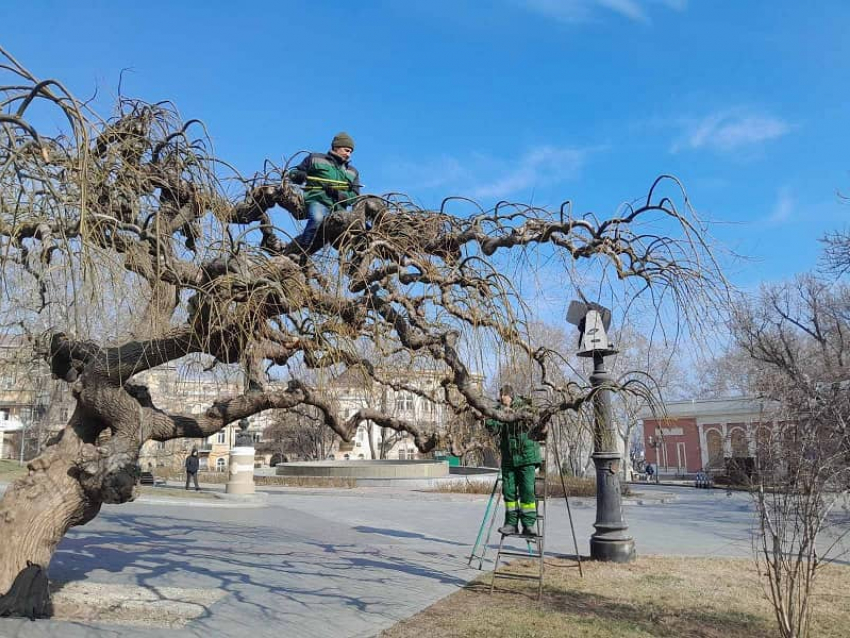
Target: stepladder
(511, 546)
(533, 565)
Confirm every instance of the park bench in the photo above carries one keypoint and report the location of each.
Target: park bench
(703, 480)
(148, 478)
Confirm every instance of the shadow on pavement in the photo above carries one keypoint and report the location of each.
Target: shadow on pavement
(267, 572)
(397, 533)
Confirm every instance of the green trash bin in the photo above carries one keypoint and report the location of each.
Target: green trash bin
(451, 459)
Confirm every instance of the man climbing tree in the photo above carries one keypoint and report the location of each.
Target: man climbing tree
(330, 183)
(121, 250)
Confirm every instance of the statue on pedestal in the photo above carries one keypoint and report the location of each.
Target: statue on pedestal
(243, 439)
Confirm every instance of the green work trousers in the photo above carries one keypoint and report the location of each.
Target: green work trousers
(518, 490)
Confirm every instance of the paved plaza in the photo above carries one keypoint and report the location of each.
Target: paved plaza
(342, 563)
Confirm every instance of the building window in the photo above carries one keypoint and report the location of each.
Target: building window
(739, 443)
(404, 403)
(714, 441)
(220, 464)
(402, 455)
(221, 437)
(4, 414)
(160, 445)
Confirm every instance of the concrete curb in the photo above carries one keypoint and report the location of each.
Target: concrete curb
(189, 502)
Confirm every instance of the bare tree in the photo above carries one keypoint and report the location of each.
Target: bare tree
(299, 433)
(126, 245)
(654, 368)
(796, 336)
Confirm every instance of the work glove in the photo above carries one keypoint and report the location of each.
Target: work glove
(335, 194)
(539, 433)
(297, 177)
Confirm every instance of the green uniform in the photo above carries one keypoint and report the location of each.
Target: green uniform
(520, 458)
(329, 170)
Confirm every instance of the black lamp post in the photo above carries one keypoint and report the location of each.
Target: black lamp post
(611, 541)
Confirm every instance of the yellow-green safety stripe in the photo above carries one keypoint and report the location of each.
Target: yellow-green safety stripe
(328, 181)
(528, 506)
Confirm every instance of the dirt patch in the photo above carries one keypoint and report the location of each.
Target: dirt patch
(176, 493)
(670, 597)
(170, 607)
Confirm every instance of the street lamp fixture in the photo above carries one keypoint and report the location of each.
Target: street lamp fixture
(611, 541)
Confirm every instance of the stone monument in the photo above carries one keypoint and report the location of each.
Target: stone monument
(241, 467)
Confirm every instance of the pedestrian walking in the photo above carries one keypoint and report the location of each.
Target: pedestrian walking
(193, 464)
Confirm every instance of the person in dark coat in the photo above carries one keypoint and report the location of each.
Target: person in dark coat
(193, 463)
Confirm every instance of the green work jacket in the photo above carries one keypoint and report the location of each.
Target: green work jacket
(517, 448)
(327, 169)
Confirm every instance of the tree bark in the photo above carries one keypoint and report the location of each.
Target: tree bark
(38, 509)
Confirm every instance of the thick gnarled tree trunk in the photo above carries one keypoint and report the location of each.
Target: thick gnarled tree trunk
(38, 509)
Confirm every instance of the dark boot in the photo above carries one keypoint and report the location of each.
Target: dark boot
(508, 530)
(529, 531)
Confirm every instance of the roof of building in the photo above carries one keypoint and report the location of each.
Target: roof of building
(735, 406)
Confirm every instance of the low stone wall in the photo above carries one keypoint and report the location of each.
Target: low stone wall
(379, 470)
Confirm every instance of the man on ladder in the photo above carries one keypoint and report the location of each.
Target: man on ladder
(520, 460)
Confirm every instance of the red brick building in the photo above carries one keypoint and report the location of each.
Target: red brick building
(702, 434)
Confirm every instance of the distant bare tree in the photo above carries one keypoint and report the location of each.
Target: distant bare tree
(299, 433)
(796, 335)
(127, 245)
(655, 369)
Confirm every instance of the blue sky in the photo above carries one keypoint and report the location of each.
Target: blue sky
(528, 100)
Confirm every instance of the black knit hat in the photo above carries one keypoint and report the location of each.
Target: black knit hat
(506, 390)
(342, 139)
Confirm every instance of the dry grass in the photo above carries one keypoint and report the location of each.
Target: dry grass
(11, 470)
(654, 596)
(170, 492)
(220, 478)
(577, 487)
(307, 481)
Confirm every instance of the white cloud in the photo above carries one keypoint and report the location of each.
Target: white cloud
(540, 167)
(575, 11)
(628, 8)
(783, 209)
(729, 130)
(483, 176)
